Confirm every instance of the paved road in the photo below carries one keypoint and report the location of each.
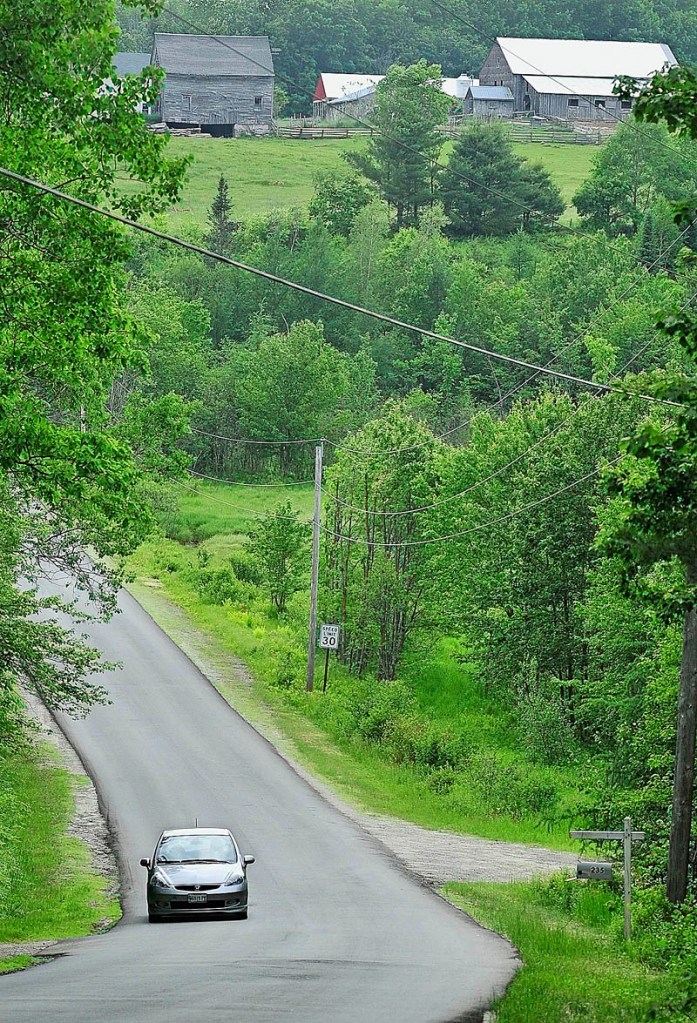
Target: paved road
(336, 931)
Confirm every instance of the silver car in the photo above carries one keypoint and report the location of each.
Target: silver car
(197, 870)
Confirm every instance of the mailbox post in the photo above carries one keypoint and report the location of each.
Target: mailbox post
(626, 836)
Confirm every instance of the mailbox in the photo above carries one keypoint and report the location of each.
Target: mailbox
(594, 870)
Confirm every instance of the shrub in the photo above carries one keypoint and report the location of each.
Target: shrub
(245, 567)
(505, 788)
(219, 585)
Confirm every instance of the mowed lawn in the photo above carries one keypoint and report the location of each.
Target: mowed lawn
(278, 174)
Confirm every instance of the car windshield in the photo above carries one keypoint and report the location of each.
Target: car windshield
(180, 848)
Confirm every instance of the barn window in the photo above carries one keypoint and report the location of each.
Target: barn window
(257, 101)
(626, 104)
(186, 102)
(573, 102)
(600, 103)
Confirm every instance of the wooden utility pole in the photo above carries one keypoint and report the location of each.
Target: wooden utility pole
(684, 778)
(316, 523)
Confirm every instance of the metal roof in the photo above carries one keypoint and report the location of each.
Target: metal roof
(236, 56)
(130, 63)
(493, 92)
(571, 86)
(584, 58)
(349, 97)
(338, 86)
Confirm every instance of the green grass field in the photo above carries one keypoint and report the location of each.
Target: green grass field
(264, 174)
(47, 886)
(275, 174)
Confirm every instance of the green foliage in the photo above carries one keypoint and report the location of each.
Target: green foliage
(487, 190)
(64, 453)
(402, 159)
(338, 200)
(222, 226)
(632, 171)
(279, 543)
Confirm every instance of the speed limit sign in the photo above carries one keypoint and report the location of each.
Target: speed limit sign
(329, 637)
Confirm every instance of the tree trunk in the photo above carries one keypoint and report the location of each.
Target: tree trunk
(683, 781)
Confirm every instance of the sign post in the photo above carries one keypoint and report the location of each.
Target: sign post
(328, 640)
(626, 837)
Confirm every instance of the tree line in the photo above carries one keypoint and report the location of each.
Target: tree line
(367, 36)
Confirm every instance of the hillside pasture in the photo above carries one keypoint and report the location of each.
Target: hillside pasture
(278, 174)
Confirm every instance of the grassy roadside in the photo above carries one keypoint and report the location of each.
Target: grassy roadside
(48, 889)
(498, 795)
(575, 969)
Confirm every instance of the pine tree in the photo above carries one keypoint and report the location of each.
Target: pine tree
(222, 226)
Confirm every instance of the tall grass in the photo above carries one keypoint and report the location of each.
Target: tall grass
(575, 969)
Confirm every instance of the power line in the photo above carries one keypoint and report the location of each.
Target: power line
(399, 142)
(571, 92)
(264, 443)
(497, 404)
(341, 303)
(237, 507)
(238, 483)
(481, 526)
(493, 475)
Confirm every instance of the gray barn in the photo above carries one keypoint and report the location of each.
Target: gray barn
(225, 84)
(570, 78)
(488, 101)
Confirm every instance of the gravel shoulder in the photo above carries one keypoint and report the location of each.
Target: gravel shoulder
(432, 857)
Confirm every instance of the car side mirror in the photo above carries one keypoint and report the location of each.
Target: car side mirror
(248, 860)
(145, 863)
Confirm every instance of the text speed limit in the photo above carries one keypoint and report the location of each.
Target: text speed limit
(329, 637)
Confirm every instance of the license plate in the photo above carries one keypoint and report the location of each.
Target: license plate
(198, 898)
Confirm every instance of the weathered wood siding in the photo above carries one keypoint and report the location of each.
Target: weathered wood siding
(497, 72)
(488, 108)
(585, 109)
(195, 99)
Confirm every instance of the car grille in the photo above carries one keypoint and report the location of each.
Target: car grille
(219, 902)
(197, 887)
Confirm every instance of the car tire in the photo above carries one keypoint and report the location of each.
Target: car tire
(243, 915)
(153, 918)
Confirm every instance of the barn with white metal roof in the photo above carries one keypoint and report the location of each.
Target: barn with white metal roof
(571, 78)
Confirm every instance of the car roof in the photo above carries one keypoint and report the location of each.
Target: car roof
(194, 831)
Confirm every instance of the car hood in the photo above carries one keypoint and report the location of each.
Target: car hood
(196, 873)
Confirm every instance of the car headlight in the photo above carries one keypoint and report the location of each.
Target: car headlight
(234, 877)
(160, 880)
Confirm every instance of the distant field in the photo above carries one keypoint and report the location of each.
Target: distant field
(272, 174)
(263, 174)
(568, 165)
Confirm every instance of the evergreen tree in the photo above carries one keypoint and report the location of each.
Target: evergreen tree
(403, 158)
(487, 189)
(222, 226)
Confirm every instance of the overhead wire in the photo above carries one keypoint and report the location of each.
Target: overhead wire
(497, 472)
(367, 124)
(477, 528)
(610, 113)
(494, 405)
(301, 288)
(238, 507)
(239, 483)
